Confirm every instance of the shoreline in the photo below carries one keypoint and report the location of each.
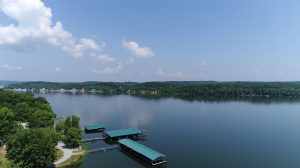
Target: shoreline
(71, 157)
(2, 152)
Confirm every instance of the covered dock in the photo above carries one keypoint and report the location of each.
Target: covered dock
(124, 133)
(145, 153)
(94, 127)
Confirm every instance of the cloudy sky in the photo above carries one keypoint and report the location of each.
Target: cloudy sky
(139, 40)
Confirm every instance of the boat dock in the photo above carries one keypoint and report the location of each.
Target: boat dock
(94, 127)
(131, 133)
(123, 137)
(105, 149)
(92, 139)
(145, 153)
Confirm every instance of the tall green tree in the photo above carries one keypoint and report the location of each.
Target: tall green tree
(23, 112)
(60, 126)
(72, 131)
(72, 121)
(72, 137)
(41, 119)
(32, 148)
(8, 125)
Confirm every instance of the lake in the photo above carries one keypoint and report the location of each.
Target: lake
(194, 134)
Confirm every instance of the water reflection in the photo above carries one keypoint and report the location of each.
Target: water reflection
(140, 161)
(193, 133)
(254, 100)
(138, 118)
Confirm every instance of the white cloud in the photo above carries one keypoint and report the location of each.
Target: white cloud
(169, 74)
(105, 58)
(161, 72)
(108, 70)
(140, 52)
(34, 23)
(113, 70)
(58, 69)
(9, 67)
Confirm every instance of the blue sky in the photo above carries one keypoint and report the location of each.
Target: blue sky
(155, 40)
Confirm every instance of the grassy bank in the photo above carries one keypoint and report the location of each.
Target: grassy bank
(4, 163)
(76, 159)
(2, 153)
(59, 154)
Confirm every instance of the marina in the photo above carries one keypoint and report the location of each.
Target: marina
(94, 128)
(214, 121)
(123, 137)
(92, 139)
(145, 153)
(134, 133)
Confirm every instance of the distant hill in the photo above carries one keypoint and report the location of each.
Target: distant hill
(175, 88)
(4, 83)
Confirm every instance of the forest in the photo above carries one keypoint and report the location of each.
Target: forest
(177, 88)
(27, 134)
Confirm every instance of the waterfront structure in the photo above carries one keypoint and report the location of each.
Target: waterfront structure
(143, 152)
(94, 127)
(134, 133)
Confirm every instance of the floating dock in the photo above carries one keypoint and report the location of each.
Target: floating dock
(92, 139)
(94, 127)
(105, 149)
(147, 154)
(125, 133)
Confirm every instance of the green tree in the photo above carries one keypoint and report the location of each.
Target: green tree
(41, 119)
(72, 121)
(72, 131)
(8, 125)
(72, 137)
(23, 112)
(32, 148)
(60, 126)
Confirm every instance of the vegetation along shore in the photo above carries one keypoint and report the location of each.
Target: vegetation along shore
(196, 89)
(27, 134)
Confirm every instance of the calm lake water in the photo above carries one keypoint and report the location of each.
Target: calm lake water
(229, 134)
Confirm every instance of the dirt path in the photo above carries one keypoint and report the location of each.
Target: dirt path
(2, 153)
(67, 153)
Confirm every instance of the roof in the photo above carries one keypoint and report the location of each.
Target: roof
(124, 132)
(144, 150)
(94, 126)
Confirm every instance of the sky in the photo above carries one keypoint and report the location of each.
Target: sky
(140, 40)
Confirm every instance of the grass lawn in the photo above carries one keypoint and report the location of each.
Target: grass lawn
(4, 163)
(59, 154)
(74, 160)
(2, 153)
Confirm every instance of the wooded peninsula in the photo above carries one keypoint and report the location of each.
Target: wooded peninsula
(27, 134)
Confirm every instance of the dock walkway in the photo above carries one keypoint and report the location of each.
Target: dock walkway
(105, 149)
(92, 139)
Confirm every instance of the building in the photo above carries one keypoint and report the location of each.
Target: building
(134, 133)
(94, 127)
(143, 152)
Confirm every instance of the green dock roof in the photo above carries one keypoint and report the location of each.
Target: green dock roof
(94, 126)
(144, 150)
(123, 132)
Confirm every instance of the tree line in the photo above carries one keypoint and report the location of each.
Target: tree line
(34, 146)
(179, 89)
